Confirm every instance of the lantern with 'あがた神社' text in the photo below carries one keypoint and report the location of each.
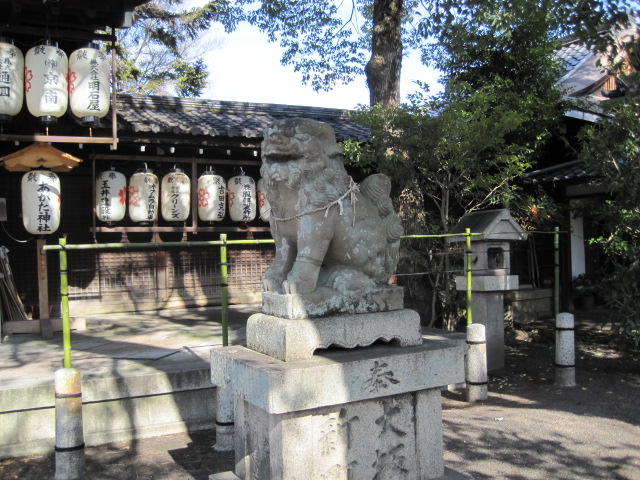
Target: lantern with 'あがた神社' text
(41, 202)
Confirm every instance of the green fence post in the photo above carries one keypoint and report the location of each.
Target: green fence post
(556, 268)
(64, 297)
(469, 283)
(224, 284)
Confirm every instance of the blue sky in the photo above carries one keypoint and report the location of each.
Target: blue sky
(246, 67)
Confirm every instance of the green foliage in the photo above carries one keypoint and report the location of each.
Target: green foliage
(155, 55)
(329, 42)
(592, 21)
(611, 151)
(535, 210)
(463, 150)
(190, 77)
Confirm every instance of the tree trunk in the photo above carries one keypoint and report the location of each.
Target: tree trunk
(383, 68)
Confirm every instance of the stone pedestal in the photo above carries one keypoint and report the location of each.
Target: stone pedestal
(288, 340)
(354, 414)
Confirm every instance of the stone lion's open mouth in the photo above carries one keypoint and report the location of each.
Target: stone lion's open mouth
(278, 156)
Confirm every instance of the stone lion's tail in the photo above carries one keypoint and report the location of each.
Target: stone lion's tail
(377, 188)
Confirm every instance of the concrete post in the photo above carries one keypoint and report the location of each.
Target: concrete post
(476, 363)
(69, 430)
(565, 351)
(224, 420)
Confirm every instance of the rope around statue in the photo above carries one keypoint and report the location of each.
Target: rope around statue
(352, 191)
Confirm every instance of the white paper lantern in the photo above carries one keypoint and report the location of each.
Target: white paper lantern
(242, 198)
(176, 196)
(111, 196)
(40, 202)
(212, 192)
(89, 84)
(45, 80)
(264, 209)
(11, 81)
(143, 196)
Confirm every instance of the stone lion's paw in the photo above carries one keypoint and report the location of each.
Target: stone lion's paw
(272, 285)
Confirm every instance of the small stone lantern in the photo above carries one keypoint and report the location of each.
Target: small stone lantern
(492, 234)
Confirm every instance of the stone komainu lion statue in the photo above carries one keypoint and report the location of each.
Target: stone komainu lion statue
(328, 231)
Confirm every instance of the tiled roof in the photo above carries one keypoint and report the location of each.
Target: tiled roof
(573, 54)
(188, 116)
(583, 76)
(563, 172)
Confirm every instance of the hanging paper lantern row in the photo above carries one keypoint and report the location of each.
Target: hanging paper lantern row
(46, 69)
(212, 190)
(263, 204)
(89, 84)
(143, 197)
(111, 196)
(41, 202)
(176, 196)
(11, 81)
(51, 81)
(242, 198)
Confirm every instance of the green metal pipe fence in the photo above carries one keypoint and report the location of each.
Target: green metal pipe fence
(224, 243)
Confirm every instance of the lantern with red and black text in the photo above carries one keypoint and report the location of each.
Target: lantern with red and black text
(41, 202)
(241, 190)
(11, 81)
(89, 84)
(211, 197)
(45, 82)
(111, 196)
(143, 196)
(176, 196)
(263, 204)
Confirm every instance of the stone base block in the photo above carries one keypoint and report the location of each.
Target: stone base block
(325, 301)
(290, 340)
(449, 474)
(346, 415)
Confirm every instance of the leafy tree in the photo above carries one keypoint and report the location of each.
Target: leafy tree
(158, 54)
(611, 150)
(463, 150)
(331, 42)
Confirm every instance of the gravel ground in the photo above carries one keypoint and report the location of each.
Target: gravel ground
(527, 429)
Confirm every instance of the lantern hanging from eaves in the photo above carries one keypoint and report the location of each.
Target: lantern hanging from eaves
(111, 196)
(41, 202)
(212, 192)
(143, 196)
(89, 84)
(264, 209)
(11, 80)
(45, 82)
(241, 190)
(176, 196)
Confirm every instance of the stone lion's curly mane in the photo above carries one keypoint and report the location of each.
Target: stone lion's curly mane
(316, 172)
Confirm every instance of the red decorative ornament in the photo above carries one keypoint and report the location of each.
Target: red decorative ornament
(203, 198)
(134, 195)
